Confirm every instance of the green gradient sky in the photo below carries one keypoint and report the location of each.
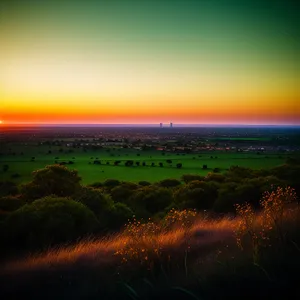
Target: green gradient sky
(209, 61)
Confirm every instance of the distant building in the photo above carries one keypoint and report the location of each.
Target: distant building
(171, 125)
(160, 125)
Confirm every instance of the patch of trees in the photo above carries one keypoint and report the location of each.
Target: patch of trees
(53, 179)
(48, 221)
(191, 177)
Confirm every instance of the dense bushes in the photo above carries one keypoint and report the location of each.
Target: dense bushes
(48, 221)
(123, 192)
(196, 194)
(94, 199)
(191, 177)
(55, 179)
(8, 188)
(118, 215)
(149, 200)
(108, 205)
(169, 183)
(10, 203)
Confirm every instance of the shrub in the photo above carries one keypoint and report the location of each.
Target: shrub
(52, 180)
(191, 177)
(118, 215)
(149, 200)
(121, 193)
(8, 188)
(215, 177)
(196, 194)
(96, 185)
(169, 183)
(144, 183)
(94, 199)
(49, 221)
(111, 183)
(10, 203)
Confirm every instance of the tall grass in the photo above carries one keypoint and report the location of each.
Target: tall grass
(139, 242)
(190, 245)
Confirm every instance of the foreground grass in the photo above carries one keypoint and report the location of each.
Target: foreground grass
(194, 257)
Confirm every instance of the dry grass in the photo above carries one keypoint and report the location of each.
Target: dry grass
(141, 242)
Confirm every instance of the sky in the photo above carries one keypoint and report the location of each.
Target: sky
(127, 62)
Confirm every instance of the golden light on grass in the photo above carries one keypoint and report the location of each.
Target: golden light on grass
(144, 243)
(138, 242)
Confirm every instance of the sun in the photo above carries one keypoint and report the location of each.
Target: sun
(0, 122)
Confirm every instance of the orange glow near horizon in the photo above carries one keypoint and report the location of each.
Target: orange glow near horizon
(111, 64)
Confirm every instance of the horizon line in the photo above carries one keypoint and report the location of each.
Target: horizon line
(164, 125)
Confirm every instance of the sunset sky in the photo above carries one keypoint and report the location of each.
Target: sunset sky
(125, 62)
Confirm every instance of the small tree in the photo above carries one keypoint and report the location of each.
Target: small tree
(5, 168)
(191, 177)
(179, 166)
(52, 180)
(169, 183)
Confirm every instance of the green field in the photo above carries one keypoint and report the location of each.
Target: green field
(83, 162)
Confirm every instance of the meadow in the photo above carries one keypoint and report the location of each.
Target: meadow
(24, 159)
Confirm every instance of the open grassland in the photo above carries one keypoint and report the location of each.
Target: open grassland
(24, 159)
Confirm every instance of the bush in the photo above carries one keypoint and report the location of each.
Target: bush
(119, 215)
(8, 188)
(169, 183)
(96, 185)
(149, 200)
(144, 183)
(52, 180)
(121, 193)
(94, 199)
(197, 194)
(10, 203)
(191, 177)
(111, 183)
(215, 177)
(49, 221)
